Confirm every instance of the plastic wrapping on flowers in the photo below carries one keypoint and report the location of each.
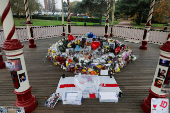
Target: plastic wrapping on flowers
(90, 55)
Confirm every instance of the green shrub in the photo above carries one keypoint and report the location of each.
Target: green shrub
(93, 20)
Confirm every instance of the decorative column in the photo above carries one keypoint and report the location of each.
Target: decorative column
(107, 20)
(2, 63)
(63, 34)
(147, 27)
(29, 24)
(68, 19)
(162, 74)
(14, 53)
(111, 33)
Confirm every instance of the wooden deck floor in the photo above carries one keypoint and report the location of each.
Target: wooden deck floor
(134, 80)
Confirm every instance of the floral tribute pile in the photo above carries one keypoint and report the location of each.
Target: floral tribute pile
(90, 55)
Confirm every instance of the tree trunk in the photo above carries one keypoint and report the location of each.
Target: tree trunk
(101, 18)
(18, 15)
(31, 16)
(139, 18)
(101, 12)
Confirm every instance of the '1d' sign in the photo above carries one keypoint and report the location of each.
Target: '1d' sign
(160, 105)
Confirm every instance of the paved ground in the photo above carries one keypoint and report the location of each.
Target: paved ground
(125, 23)
(134, 80)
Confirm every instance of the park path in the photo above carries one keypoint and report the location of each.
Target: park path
(125, 23)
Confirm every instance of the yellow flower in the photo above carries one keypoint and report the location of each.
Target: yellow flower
(117, 70)
(109, 62)
(55, 63)
(49, 50)
(105, 47)
(83, 70)
(78, 42)
(110, 40)
(54, 57)
(99, 66)
(53, 51)
(75, 68)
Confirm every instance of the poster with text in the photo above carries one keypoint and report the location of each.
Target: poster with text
(159, 105)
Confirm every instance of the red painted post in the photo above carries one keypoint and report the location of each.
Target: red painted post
(14, 53)
(147, 27)
(156, 88)
(107, 20)
(29, 24)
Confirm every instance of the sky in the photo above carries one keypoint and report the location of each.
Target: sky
(58, 5)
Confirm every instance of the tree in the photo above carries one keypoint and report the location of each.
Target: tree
(33, 5)
(72, 5)
(162, 11)
(93, 7)
(18, 6)
(140, 8)
(53, 6)
(64, 7)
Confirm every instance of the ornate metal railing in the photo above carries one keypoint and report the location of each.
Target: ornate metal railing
(40, 32)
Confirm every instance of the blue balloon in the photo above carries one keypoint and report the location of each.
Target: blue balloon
(94, 36)
(91, 35)
(87, 35)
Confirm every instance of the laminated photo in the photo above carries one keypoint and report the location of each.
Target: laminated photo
(17, 63)
(162, 73)
(165, 63)
(22, 77)
(52, 100)
(158, 83)
(166, 85)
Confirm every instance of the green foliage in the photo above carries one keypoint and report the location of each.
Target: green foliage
(94, 7)
(38, 22)
(64, 7)
(154, 25)
(18, 6)
(137, 8)
(94, 20)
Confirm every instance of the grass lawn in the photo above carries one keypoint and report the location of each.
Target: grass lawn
(154, 25)
(38, 22)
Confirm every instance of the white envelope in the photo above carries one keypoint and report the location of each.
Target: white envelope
(103, 72)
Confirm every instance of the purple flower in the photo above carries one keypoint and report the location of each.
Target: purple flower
(92, 65)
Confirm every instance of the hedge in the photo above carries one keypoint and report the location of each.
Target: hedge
(93, 20)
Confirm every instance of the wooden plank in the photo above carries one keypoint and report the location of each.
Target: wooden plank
(134, 80)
